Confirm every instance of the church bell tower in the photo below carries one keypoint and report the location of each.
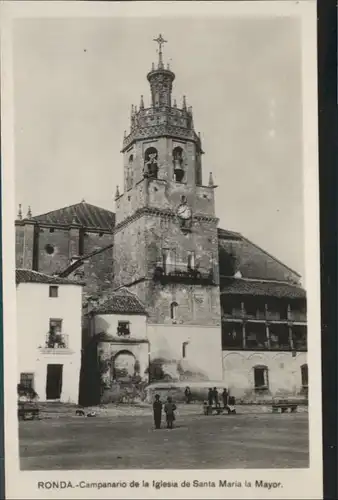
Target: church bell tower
(165, 238)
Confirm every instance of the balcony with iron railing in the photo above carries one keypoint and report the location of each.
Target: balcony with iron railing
(182, 273)
(237, 336)
(56, 343)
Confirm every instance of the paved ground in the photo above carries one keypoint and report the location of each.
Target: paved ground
(124, 442)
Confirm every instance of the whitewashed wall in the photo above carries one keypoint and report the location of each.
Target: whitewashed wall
(34, 310)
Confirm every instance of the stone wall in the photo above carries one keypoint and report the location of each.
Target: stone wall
(114, 389)
(57, 242)
(129, 253)
(52, 248)
(202, 356)
(19, 245)
(197, 303)
(166, 233)
(284, 374)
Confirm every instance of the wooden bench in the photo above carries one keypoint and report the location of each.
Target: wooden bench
(284, 407)
(218, 410)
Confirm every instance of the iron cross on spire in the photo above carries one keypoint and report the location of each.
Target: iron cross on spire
(160, 40)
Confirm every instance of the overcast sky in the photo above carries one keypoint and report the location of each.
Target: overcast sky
(75, 81)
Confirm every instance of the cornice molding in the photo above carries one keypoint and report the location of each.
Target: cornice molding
(141, 133)
(157, 212)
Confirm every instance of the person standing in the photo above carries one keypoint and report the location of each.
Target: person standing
(225, 396)
(188, 395)
(169, 409)
(210, 397)
(157, 407)
(215, 393)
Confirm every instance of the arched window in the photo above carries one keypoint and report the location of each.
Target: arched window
(151, 163)
(184, 349)
(261, 378)
(173, 310)
(305, 376)
(178, 164)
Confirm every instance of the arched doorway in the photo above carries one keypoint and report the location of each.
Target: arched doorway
(124, 366)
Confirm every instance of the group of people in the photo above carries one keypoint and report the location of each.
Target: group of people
(214, 398)
(169, 410)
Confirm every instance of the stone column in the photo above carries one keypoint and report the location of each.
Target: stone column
(290, 338)
(244, 335)
(267, 335)
(74, 237)
(242, 309)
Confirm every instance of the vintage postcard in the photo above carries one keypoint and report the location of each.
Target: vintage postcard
(161, 250)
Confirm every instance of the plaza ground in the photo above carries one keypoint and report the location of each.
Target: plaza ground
(253, 439)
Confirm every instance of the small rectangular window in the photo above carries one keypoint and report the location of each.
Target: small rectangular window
(191, 260)
(53, 291)
(81, 242)
(305, 376)
(123, 328)
(165, 259)
(261, 378)
(55, 325)
(27, 380)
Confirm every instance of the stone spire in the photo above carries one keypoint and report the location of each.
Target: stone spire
(160, 79)
(184, 105)
(20, 212)
(211, 181)
(29, 213)
(117, 193)
(142, 103)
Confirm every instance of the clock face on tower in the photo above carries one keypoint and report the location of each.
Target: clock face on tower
(184, 211)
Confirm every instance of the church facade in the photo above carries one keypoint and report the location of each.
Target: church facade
(215, 307)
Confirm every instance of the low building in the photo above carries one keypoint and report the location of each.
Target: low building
(117, 349)
(264, 324)
(49, 310)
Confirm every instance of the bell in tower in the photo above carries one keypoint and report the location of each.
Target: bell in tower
(150, 164)
(178, 164)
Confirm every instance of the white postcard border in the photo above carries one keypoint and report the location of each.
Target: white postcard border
(297, 483)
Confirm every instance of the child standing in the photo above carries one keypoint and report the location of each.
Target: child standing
(169, 409)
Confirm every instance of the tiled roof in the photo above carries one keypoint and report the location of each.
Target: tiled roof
(261, 288)
(238, 254)
(84, 214)
(225, 234)
(29, 276)
(120, 302)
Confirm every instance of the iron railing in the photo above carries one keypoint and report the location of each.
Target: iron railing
(183, 273)
(56, 341)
